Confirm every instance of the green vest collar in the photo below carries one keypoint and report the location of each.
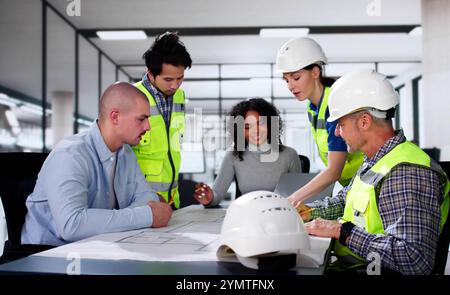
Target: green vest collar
(318, 119)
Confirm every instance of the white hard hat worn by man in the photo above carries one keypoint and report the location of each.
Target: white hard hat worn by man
(362, 90)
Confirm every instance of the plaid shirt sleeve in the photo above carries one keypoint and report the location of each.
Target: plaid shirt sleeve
(409, 208)
(330, 208)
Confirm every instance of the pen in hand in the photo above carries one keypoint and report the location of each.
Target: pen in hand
(161, 199)
(305, 211)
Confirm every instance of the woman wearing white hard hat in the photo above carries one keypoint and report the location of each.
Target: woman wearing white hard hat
(301, 60)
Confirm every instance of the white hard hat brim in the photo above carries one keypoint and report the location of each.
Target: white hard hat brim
(332, 119)
(299, 67)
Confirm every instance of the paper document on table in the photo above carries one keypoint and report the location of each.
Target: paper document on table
(312, 258)
(192, 235)
(316, 255)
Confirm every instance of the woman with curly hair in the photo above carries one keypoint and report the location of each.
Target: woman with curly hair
(257, 159)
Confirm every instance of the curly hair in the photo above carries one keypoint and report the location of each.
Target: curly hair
(167, 48)
(264, 108)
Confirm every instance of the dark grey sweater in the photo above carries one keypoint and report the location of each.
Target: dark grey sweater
(253, 173)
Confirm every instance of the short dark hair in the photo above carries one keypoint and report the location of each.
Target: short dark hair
(264, 108)
(167, 48)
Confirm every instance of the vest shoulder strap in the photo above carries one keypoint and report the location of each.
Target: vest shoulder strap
(178, 97)
(147, 93)
(319, 122)
(324, 103)
(405, 152)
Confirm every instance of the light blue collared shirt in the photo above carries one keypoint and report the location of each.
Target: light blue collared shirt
(71, 198)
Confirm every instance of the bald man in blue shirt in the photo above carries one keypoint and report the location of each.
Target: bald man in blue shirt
(91, 183)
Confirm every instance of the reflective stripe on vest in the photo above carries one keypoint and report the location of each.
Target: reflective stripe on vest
(178, 107)
(154, 111)
(361, 201)
(320, 134)
(159, 145)
(161, 186)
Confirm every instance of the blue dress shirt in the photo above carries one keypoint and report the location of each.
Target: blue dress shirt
(71, 198)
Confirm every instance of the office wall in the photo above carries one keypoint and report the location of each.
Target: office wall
(60, 55)
(21, 72)
(405, 81)
(435, 105)
(123, 77)
(108, 73)
(88, 77)
(21, 46)
(60, 76)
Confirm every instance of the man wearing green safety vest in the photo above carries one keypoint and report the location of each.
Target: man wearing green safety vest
(397, 204)
(158, 152)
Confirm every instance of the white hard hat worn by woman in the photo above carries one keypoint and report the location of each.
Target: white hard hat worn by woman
(299, 53)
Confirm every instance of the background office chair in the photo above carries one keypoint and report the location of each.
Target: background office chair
(304, 161)
(186, 188)
(18, 175)
(434, 153)
(238, 191)
(444, 238)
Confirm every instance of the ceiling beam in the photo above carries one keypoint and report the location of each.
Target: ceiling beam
(228, 31)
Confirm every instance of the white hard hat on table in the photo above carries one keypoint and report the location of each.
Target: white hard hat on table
(259, 224)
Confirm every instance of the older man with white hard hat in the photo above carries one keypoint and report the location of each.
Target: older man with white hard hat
(397, 203)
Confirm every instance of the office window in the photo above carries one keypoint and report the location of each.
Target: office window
(339, 69)
(60, 78)
(401, 93)
(246, 71)
(108, 73)
(202, 71)
(260, 87)
(201, 89)
(416, 92)
(88, 81)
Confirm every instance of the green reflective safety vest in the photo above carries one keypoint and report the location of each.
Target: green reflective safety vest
(320, 134)
(158, 152)
(361, 201)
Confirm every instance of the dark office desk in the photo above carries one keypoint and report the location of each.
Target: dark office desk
(51, 265)
(56, 265)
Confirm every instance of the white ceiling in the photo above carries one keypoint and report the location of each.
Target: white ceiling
(167, 14)
(236, 13)
(18, 24)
